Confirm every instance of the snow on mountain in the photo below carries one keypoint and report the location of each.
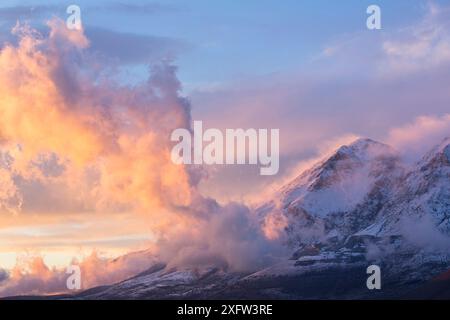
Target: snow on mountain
(423, 197)
(162, 282)
(358, 207)
(340, 195)
(361, 206)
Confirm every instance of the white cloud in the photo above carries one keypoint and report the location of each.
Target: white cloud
(422, 46)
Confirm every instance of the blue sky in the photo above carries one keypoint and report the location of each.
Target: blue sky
(225, 40)
(310, 68)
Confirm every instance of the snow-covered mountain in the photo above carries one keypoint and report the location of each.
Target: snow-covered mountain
(360, 206)
(422, 197)
(340, 195)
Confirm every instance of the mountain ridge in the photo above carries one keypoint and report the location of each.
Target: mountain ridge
(343, 241)
(358, 207)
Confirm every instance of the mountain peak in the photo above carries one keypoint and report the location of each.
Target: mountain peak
(361, 145)
(345, 159)
(445, 147)
(361, 150)
(439, 155)
(363, 142)
(340, 182)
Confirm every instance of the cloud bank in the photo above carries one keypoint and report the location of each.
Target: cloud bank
(74, 140)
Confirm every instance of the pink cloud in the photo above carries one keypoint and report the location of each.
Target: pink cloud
(415, 138)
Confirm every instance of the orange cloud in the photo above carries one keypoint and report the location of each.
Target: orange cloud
(31, 276)
(109, 140)
(74, 140)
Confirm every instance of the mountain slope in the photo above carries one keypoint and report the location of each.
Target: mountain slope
(423, 197)
(340, 195)
(361, 206)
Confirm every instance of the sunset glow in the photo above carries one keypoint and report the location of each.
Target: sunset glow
(90, 115)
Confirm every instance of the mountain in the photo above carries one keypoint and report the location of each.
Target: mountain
(340, 195)
(358, 207)
(422, 198)
(366, 206)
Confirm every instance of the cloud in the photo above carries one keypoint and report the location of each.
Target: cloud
(3, 275)
(121, 48)
(421, 47)
(423, 233)
(424, 46)
(229, 237)
(350, 89)
(10, 197)
(31, 276)
(415, 138)
(55, 95)
(130, 48)
(73, 140)
(52, 103)
(322, 151)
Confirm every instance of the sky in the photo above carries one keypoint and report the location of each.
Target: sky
(140, 68)
(252, 38)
